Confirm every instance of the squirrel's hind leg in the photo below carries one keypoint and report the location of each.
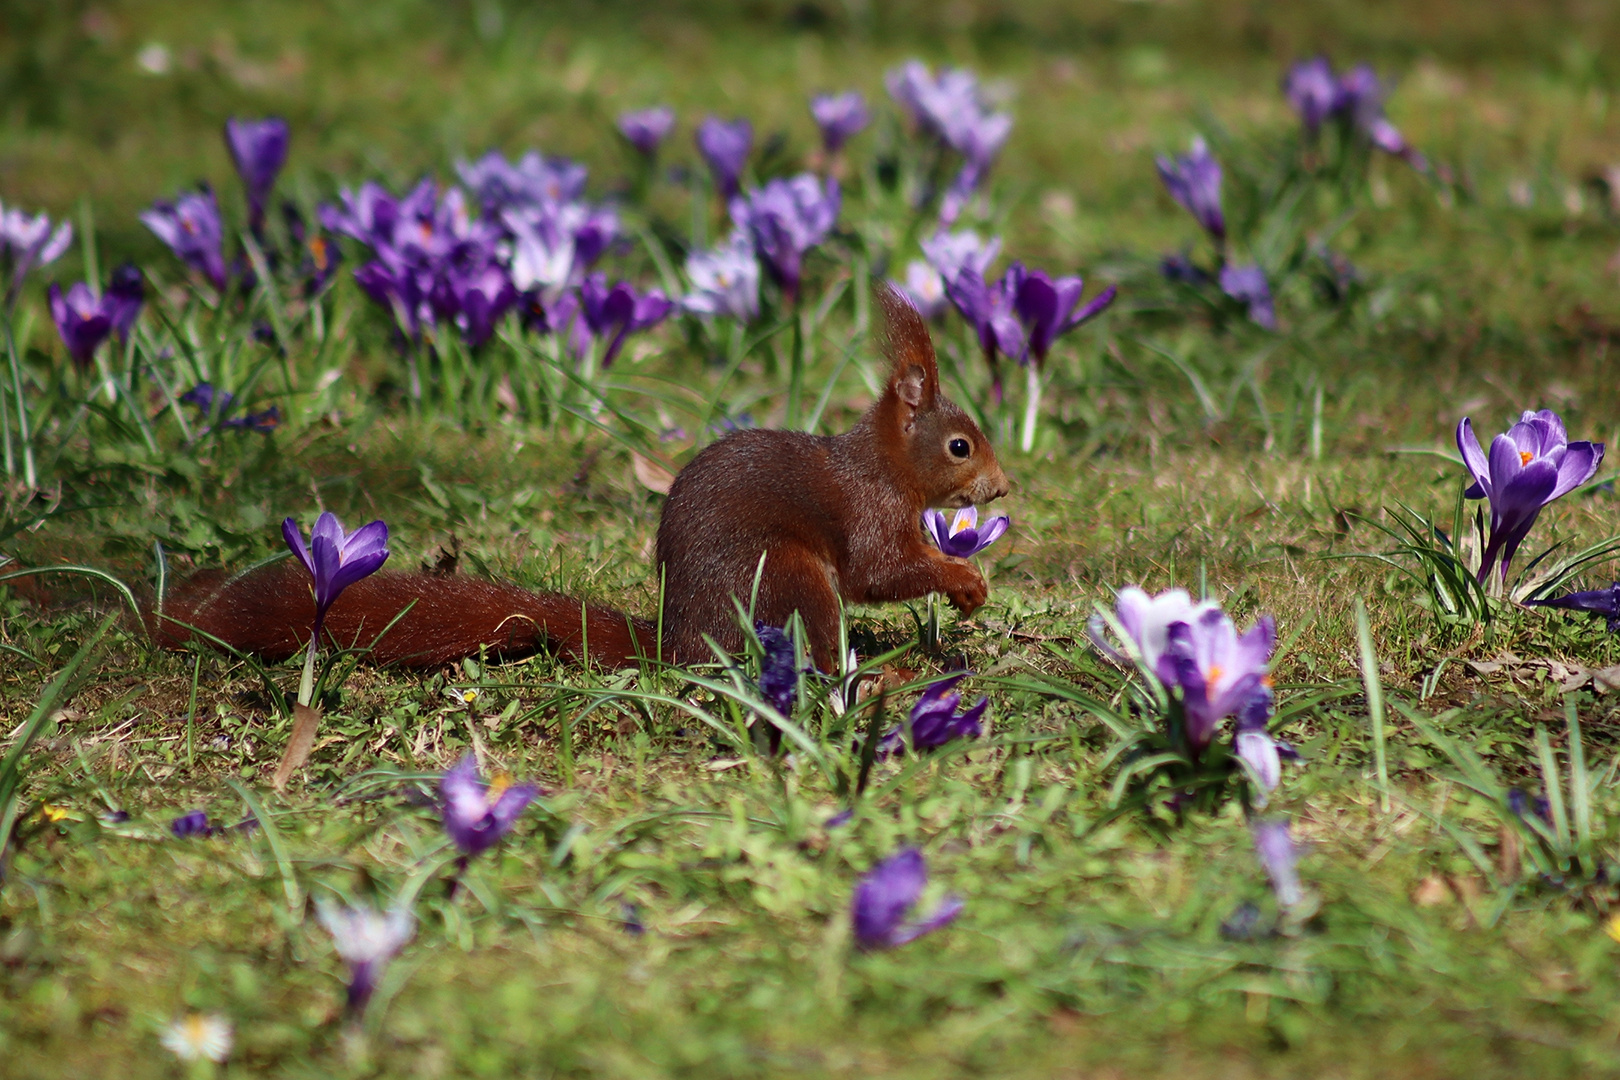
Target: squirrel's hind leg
(796, 579)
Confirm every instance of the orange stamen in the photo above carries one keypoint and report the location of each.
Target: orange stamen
(1525, 456)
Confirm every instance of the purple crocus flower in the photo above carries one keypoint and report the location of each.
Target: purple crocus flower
(1194, 181)
(646, 129)
(1312, 91)
(779, 670)
(398, 289)
(963, 538)
(619, 311)
(1218, 671)
(1529, 466)
(786, 218)
(28, 241)
(336, 560)
(126, 292)
(259, 149)
(1361, 102)
(935, 721)
(476, 814)
(81, 320)
(952, 252)
(1605, 602)
(1146, 621)
(725, 280)
(979, 139)
(726, 148)
(1047, 308)
(885, 896)
(475, 299)
(190, 226)
(1248, 286)
(534, 181)
(989, 309)
(553, 245)
(191, 824)
(1278, 855)
(367, 941)
(840, 117)
(923, 289)
(203, 396)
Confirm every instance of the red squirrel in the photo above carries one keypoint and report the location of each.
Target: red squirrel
(836, 517)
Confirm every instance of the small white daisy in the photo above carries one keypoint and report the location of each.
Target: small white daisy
(198, 1036)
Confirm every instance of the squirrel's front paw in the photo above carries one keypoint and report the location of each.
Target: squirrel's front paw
(967, 589)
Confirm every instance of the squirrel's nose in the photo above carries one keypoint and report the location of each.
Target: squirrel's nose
(996, 486)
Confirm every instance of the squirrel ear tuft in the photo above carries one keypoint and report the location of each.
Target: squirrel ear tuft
(915, 376)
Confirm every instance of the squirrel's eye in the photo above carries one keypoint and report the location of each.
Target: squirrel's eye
(960, 448)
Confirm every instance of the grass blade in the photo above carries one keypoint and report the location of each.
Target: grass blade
(1375, 702)
(278, 847)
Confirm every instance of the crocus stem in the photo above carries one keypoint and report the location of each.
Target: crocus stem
(306, 684)
(1032, 405)
(795, 370)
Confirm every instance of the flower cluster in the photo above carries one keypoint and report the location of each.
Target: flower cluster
(1210, 672)
(1194, 181)
(1354, 99)
(28, 241)
(951, 107)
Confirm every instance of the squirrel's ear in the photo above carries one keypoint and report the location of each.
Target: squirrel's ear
(914, 376)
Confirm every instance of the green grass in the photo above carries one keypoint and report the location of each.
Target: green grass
(1091, 943)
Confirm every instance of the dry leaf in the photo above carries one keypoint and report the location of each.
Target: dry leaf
(302, 741)
(652, 475)
(1432, 891)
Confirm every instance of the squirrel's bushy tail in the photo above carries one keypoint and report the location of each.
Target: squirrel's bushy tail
(268, 612)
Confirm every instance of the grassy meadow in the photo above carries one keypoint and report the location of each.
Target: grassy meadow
(676, 903)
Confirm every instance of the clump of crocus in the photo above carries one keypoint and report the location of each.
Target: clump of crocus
(617, 312)
(886, 895)
(840, 117)
(952, 108)
(786, 218)
(199, 1037)
(85, 320)
(962, 536)
(725, 147)
(191, 227)
(28, 241)
(934, 720)
(1528, 466)
(259, 150)
(725, 280)
(1604, 602)
(1194, 649)
(335, 561)
(646, 129)
(204, 397)
(476, 814)
(1354, 99)
(1194, 180)
(366, 940)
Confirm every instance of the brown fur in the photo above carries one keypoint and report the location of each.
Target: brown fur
(836, 518)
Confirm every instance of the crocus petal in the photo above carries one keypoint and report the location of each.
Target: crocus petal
(295, 541)
(1260, 752)
(993, 530)
(949, 908)
(884, 895)
(1474, 458)
(1580, 463)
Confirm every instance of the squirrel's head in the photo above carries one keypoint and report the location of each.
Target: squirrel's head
(950, 461)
